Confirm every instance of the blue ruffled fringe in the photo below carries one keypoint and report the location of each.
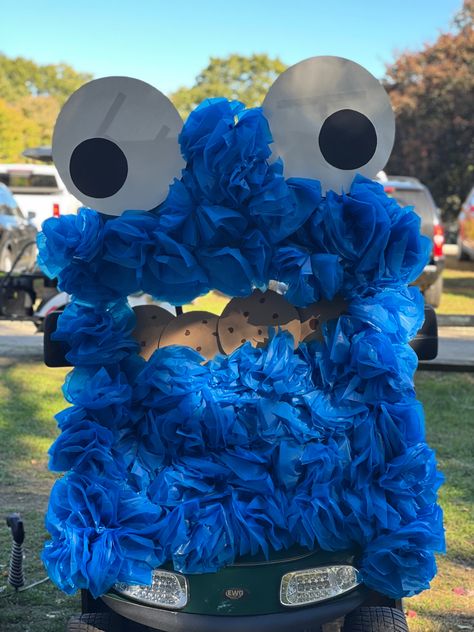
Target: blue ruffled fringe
(197, 464)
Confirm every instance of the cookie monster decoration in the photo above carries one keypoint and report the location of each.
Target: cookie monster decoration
(291, 419)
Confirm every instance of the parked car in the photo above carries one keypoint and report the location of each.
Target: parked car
(39, 190)
(17, 235)
(466, 228)
(410, 191)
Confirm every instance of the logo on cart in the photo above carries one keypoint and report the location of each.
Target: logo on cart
(235, 593)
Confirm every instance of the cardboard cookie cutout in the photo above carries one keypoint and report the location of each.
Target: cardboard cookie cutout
(197, 330)
(151, 320)
(313, 316)
(330, 119)
(115, 145)
(248, 320)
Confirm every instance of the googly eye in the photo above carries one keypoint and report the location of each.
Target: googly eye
(115, 145)
(330, 119)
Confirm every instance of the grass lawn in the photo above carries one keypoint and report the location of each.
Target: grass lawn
(213, 302)
(30, 395)
(458, 292)
(449, 406)
(458, 287)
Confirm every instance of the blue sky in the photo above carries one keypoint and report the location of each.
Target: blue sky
(168, 42)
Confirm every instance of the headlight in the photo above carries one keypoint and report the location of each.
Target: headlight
(316, 584)
(168, 590)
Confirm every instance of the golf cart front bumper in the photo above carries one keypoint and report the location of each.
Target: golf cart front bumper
(307, 618)
(245, 596)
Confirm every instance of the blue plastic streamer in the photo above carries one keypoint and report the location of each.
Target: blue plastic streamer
(197, 463)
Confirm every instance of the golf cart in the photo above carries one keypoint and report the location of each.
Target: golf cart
(265, 467)
(296, 590)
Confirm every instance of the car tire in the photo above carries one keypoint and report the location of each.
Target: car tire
(92, 622)
(375, 619)
(433, 293)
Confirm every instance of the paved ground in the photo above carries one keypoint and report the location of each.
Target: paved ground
(18, 339)
(455, 346)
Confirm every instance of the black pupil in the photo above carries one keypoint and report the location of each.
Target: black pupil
(98, 167)
(347, 139)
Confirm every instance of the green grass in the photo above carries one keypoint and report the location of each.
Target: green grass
(458, 292)
(213, 302)
(449, 406)
(458, 287)
(30, 395)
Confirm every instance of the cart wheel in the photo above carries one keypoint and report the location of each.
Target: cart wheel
(92, 622)
(375, 619)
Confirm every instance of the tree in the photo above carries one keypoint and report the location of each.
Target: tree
(432, 95)
(20, 77)
(16, 133)
(43, 110)
(31, 97)
(234, 77)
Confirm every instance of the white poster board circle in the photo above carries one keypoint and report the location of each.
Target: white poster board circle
(115, 145)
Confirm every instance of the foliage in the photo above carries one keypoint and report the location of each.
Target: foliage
(31, 96)
(430, 92)
(43, 110)
(235, 77)
(21, 77)
(16, 132)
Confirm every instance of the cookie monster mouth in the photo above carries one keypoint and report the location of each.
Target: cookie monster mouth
(243, 320)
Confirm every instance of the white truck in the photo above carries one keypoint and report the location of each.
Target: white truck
(39, 191)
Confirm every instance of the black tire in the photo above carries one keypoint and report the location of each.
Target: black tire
(93, 622)
(433, 293)
(375, 619)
